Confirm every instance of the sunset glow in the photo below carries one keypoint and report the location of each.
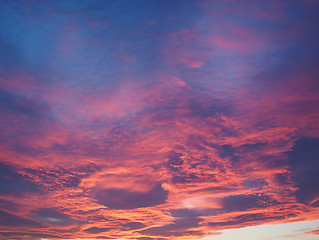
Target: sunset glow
(159, 119)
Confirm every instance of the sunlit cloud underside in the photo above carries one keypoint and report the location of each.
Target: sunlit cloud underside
(158, 119)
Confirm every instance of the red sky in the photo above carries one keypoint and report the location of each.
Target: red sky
(155, 120)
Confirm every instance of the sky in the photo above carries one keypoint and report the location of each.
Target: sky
(159, 119)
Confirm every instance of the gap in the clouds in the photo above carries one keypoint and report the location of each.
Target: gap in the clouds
(291, 231)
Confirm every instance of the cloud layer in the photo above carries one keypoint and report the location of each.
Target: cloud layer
(157, 119)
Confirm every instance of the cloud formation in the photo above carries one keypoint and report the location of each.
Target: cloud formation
(157, 120)
(115, 198)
